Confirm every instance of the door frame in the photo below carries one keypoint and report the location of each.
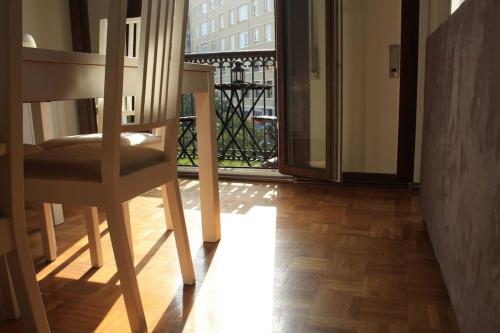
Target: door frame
(410, 21)
(331, 12)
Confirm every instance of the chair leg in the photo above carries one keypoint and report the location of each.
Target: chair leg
(27, 290)
(94, 236)
(7, 289)
(48, 233)
(125, 265)
(128, 225)
(168, 214)
(180, 231)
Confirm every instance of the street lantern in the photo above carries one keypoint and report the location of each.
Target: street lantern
(238, 72)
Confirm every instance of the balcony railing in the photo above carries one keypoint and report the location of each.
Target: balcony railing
(249, 139)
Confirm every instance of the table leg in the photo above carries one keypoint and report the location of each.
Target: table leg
(57, 214)
(207, 163)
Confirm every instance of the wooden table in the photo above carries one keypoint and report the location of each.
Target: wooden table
(50, 75)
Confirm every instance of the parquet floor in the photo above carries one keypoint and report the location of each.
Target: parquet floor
(293, 258)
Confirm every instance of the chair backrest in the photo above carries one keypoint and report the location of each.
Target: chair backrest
(161, 55)
(161, 58)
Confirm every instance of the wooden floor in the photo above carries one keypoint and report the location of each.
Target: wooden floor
(293, 258)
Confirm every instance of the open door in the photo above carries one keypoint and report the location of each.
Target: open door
(306, 42)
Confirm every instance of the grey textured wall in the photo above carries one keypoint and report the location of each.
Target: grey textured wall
(461, 160)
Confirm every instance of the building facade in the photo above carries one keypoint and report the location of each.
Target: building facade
(231, 25)
(217, 26)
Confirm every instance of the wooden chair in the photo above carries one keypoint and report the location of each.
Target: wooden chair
(109, 174)
(15, 256)
(133, 27)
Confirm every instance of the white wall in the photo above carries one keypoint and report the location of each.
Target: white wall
(48, 22)
(370, 98)
(432, 14)
(369, 128)
(98, 10)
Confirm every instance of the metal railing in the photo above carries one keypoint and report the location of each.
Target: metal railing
(256, 145)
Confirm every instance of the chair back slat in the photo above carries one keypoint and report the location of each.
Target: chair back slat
(161, 55)
(133, 30)
(162, 62)
(174, 87)
(163, 24)
(113, 91)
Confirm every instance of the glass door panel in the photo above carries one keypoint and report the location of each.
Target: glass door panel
(305, 81)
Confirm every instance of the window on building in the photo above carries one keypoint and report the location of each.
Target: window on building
(232, 18)
(256, 35)
(204, 29)
(269, 92)
(204, 8)
(243, 39)
(204, 47)
(221, 22)
(268, 6)
(212, 4)
(197, 31)
(212, 45)
(222, 44)
(255, 8)
(269, 32)
(233, 42)
(212, 25)
(243, 13)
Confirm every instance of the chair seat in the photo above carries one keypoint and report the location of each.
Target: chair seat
(82, 162)
(127, 139)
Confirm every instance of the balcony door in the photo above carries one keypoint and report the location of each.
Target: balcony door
(307, 90)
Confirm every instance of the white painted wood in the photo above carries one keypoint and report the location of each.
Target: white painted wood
(57, 214)
(42, 121)
(28, 131)
(90, 71)
(128, 226)
(94, 236)
(114, 190)
(103, 29)
(47, 232)
(59, 69)
(125, 265)
(166, 208)
(176, 212)
(7, 291)
(43, 127)
(12, 207)
(207, 148)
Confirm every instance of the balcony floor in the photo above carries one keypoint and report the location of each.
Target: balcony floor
(293, 258)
